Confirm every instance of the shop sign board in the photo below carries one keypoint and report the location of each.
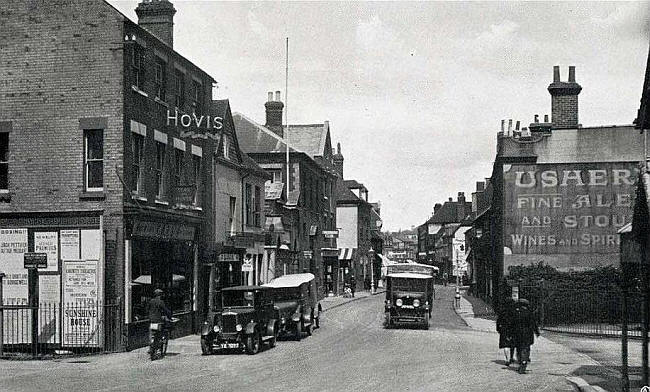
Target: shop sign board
(228, 257)
(567, 208)
(81, 311)
(162, 231)
(35, 260)
(331, 233)
(247, 265)
(184, 194)
(307, 254)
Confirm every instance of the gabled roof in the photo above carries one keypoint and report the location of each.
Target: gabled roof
(309, 138)
(449, 213)
(256, 138)
(345, 195)
(353, 184)
(253, 167)
(221, 107)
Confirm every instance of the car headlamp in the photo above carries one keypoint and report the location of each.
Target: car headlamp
(238, 327)
(295, 317)
(216, 328)
(416, 303)
(398, 302)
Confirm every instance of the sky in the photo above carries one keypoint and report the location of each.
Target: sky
(415, 91)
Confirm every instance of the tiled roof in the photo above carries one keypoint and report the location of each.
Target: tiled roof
(253, 167)
(353, 184)
(344, 194)
(256, 138)
(308, 138)
(450, 213)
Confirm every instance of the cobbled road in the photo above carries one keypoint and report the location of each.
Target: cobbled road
(352, 351)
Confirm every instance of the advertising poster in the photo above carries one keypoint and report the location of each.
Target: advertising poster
(13, 246)
(81, 310)
(49, 315)
(48, 242)
(70, 245)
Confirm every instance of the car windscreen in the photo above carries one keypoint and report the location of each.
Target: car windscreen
(406, 284)
(238, 298)
(285, 293)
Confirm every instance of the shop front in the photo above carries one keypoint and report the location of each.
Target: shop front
(160, 255)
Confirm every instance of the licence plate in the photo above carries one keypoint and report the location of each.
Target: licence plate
(229, 345)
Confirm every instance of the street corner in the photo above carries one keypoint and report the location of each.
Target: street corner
(582, 385)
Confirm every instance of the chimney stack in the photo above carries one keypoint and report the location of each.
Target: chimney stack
(338, 161)
(157, 17)
(461, 206)
(436, 208)
(564, 100)
(480, 186)
(274, 113)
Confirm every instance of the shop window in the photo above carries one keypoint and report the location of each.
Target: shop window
(160, 170)
(94, 159)
(4, 161)
(164, 265)
(197, 97)
(137, 149)
(179, 89)
(277, 175)
(161, 78)
(196, 171)
(137, 67)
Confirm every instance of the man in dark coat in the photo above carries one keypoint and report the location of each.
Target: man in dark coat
(524, 327)
(504, 327)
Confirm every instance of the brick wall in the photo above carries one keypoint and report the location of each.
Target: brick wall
(564, 111)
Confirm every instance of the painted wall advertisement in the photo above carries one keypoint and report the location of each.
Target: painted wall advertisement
(567, 208)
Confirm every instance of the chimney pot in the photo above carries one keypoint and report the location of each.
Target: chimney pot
(270, 99)
(451, 199)
(517, 126)
(556, 73)
(277, 96)
(480, 185)
(536, 118)
(572, 74)
(509, 127)
(546, 118)
(503, 125)
(157, 17)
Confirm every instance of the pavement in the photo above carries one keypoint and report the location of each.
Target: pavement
(602, 374)
(336, 301)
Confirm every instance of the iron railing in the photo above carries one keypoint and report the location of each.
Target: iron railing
(584, 311)
(60, 329)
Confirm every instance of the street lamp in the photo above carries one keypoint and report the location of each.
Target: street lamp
(371, 256)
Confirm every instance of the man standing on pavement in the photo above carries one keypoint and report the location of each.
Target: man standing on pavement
(523, 328)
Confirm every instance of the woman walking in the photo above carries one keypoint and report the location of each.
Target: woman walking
(504, 328)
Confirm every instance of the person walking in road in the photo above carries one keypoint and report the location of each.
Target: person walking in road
(523, 327)
(353, 283)
(504, 327)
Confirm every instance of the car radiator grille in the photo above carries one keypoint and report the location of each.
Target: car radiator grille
(228, 322)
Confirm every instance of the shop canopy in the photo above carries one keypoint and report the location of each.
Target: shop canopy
(346, 253)
(146, 279)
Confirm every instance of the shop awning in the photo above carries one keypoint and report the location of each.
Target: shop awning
(346, 253)
(146, 279)
(276, 221)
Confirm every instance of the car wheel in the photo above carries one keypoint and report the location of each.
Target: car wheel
(310, 329)
(253, 344)
(274, 339)
(205, 346)
(300, 326)
(426, 320)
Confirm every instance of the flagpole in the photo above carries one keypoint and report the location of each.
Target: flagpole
(286, 110)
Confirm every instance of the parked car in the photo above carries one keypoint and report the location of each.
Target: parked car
(245, 319)
(296, 300)
(409, 298)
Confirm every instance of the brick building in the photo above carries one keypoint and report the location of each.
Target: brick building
(300, 212)
(109, 140)
(560, 191)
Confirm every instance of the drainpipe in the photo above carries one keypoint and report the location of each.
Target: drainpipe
(243, 212)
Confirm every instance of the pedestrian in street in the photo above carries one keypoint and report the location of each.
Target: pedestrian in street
(352, 284)
(504, 327)
(523, 327)
(444, 278)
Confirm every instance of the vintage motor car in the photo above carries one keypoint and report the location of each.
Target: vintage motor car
(409, 298)
(296, 299)
(245, 319)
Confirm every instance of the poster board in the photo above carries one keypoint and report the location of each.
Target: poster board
(13, 246)
(48, 243)
(49, 315)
